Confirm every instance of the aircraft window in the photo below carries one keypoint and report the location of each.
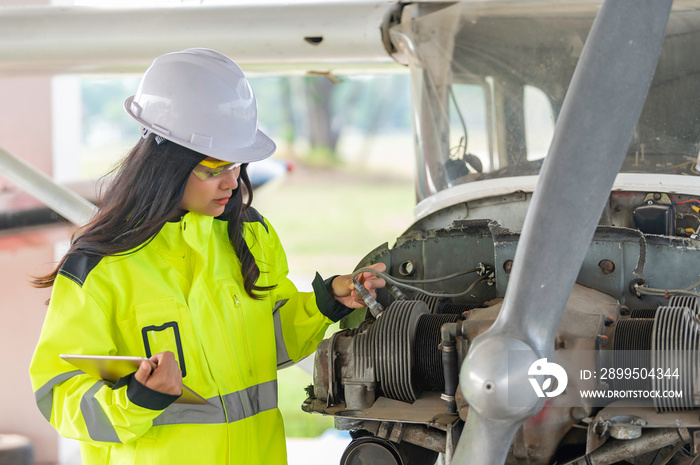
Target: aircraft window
(507, 81)
(539, 123)
(469, 138)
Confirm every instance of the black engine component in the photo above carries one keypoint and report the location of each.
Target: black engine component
(369, 449)
(429, 366)
(655, 218)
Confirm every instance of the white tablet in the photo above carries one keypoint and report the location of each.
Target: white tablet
(113, 367)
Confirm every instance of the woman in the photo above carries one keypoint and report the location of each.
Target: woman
(177, 266)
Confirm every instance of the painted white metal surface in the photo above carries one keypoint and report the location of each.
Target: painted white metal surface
(62, 200)
(473, 191)
(257, 36)
(633, 182)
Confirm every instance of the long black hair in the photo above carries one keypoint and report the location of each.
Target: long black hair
(145, 191)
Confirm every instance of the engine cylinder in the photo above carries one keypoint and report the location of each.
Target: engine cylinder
(632, 349)
(445, 305)
(429, 366)
(389, 345)
(643, 313)
(676, 345)
(668, 345)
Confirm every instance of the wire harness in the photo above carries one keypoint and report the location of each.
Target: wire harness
(485, 271)
(642, 289)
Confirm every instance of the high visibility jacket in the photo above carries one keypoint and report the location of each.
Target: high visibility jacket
(182, 292)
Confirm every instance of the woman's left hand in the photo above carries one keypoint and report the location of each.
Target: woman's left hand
(344, 289)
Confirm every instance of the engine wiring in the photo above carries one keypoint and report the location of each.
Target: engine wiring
(641, 289)
(686, 201)
(480, 269)
(487, 274)
(693, 233)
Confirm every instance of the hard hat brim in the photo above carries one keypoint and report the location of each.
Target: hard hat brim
(261, 148)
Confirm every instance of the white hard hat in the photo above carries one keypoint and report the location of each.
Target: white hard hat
(200, 99)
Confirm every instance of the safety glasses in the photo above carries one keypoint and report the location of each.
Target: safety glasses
(207, 170)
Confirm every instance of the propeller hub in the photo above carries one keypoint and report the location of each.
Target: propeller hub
(494, 378)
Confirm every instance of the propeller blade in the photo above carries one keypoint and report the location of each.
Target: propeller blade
(592, 135)
(490, 438)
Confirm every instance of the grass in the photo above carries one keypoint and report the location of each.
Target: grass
(329, 219)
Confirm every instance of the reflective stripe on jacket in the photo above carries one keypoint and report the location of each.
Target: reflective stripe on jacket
(182, 292)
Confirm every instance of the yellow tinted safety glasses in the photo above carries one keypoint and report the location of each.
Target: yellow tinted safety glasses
(207, 170)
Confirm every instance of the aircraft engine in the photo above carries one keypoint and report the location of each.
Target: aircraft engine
(391, 377)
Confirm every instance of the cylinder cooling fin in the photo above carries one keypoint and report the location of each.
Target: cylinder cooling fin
(403, 347)
(643, 313)
(443, 305)
(632, 349)
(389, 345)
(429, 368)
(434, 303)
(667, 342)
(675, 346)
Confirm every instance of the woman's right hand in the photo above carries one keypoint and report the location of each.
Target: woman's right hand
(161, 373)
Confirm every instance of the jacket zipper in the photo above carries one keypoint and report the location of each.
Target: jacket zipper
(239, 308)
(220, 325)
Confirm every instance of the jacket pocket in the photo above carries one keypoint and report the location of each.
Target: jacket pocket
(159, 324)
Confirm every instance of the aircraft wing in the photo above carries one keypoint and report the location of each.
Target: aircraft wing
(283, 37)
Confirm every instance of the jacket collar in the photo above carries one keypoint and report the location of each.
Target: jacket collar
(192, 231)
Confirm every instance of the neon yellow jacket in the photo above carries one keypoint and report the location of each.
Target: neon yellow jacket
(182, 292)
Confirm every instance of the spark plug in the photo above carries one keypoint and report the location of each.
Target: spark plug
(374, 307)
(396, 292)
